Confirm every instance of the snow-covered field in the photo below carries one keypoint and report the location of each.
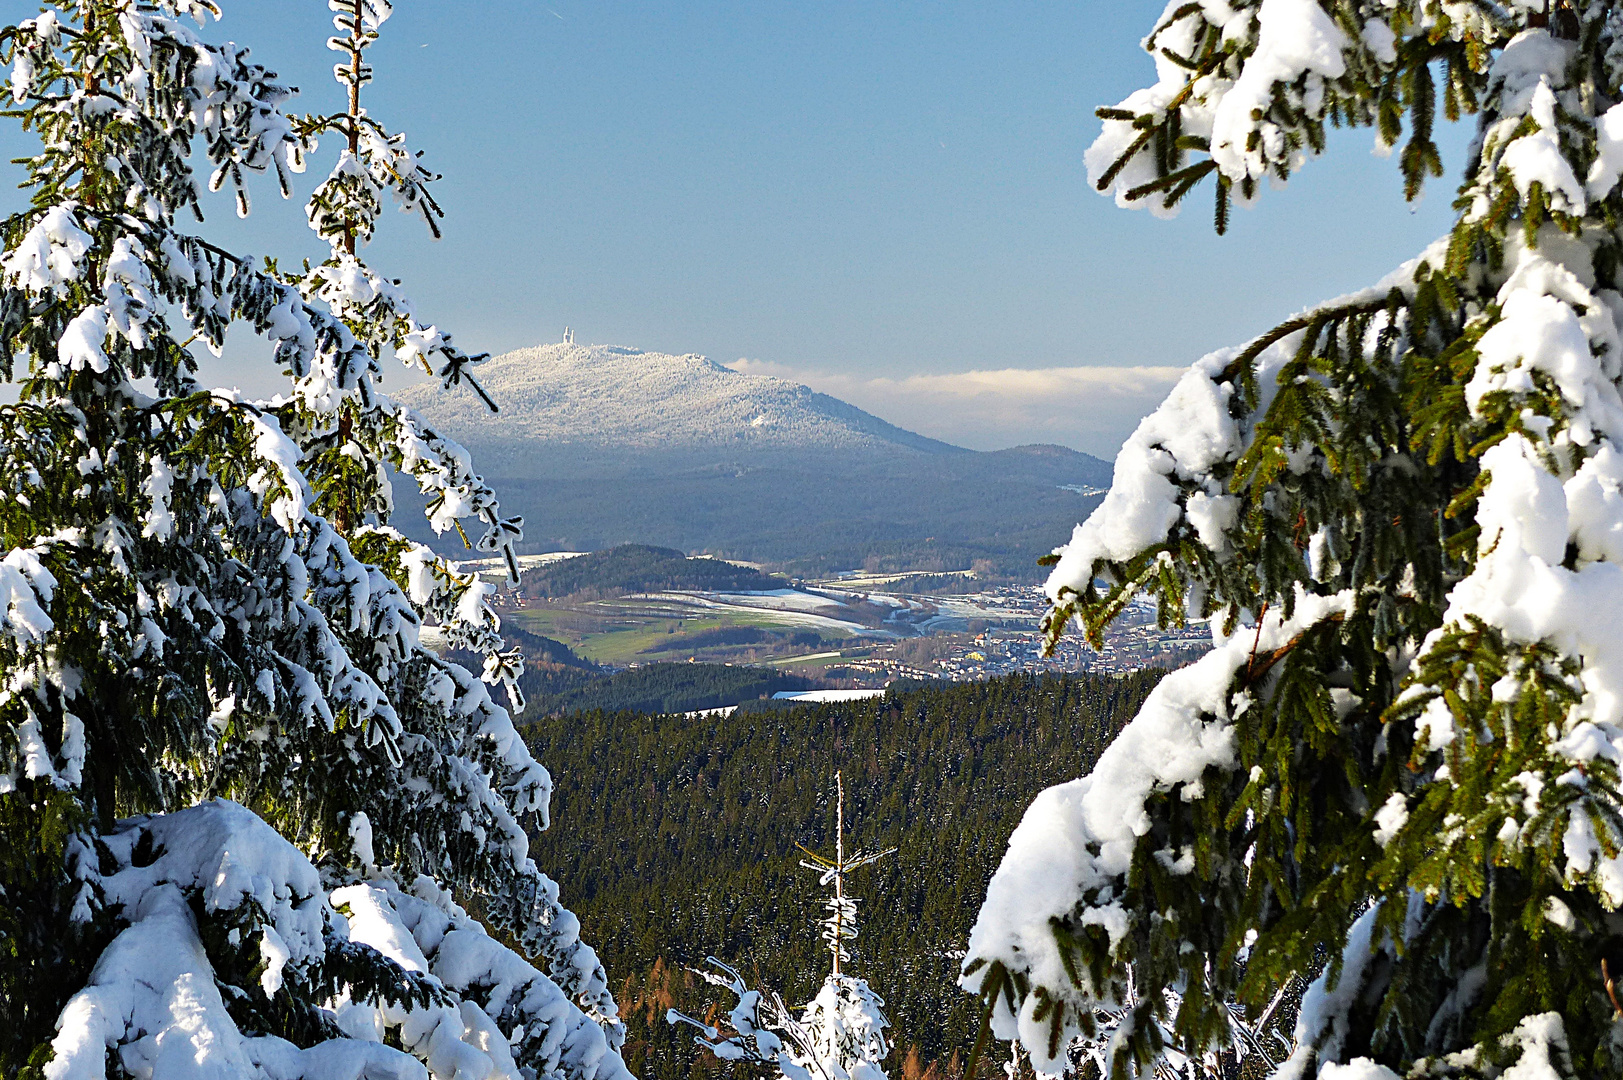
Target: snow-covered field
(525, 562)
(826, 695)
(774, 600)
(836, 610)
(784, 607)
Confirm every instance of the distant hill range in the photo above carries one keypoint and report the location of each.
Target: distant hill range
(600, 445)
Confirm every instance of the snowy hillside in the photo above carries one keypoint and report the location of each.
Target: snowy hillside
(598, 445)
(607, 395)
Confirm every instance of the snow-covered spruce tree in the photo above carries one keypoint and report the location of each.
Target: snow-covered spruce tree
(1254, 1044)
(237, 791)
(840, 1034)
(1397, 772)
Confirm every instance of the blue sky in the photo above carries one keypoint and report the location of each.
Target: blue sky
(876, 198)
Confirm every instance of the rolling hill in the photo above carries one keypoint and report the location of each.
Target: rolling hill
(602, 445)
(641, 568)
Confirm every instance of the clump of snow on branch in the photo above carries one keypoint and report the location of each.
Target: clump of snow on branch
(1169, 475)
(845, 1028)
(155, 1003)
(839, 1035)
(1077, 840)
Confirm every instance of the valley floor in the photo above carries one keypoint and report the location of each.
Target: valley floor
(848, 631)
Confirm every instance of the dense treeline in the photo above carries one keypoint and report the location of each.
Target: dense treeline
(556, 680)
(677, 836)
(657, 688)
(634, 568)
(538, 649)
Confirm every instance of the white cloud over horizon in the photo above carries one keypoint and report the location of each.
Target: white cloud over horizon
(1091, 409)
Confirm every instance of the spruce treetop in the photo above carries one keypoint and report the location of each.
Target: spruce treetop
(840, 1033)
(1393, 784)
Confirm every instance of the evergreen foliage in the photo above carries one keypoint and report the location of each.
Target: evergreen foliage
(1398, 773)
(236, 790)
(682, 831)
(724, 636)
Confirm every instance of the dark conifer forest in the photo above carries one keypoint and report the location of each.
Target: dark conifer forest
(655, 688)
(676, 840)
(642, 568)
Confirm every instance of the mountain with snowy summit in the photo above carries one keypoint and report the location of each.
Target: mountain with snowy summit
(611, 396)
(598, 445)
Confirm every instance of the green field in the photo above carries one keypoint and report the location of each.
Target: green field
(815, 662)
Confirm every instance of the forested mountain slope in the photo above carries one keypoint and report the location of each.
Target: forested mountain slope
(663, 687)
(642, 568)
(677, 836)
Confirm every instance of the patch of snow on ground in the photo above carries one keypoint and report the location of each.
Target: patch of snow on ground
(777, 600)
(525, 562)
(826, 695)
(725, 710)
(781, 606)
(980, 606)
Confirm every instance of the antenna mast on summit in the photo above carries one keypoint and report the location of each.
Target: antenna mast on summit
(569, 336)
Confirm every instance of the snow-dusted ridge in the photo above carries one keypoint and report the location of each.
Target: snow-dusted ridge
(599, 445)
(599, 395)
